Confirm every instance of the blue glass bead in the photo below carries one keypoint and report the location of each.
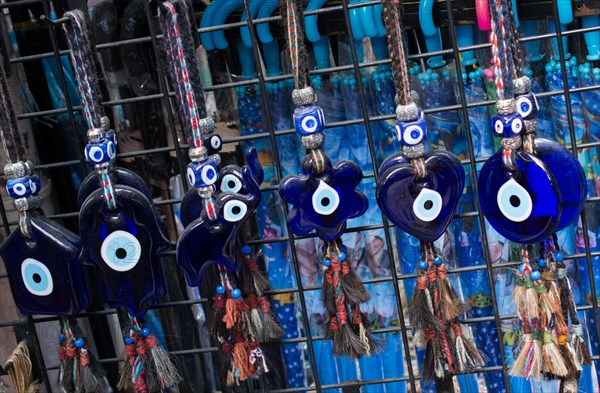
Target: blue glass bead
(79, 343)
(100, 152)
(44, 273)
(507, 126)
(521, 269)
(23, 187)
(342, 256)
(220, 289)
(535, 275)
(202, 174)
(325, 203)
(559, 256)
(521, 205)
(422, 208)
(411, 133)
(327, 263)
(423, 265)
(527, 106)
(145, 332)
(236, 293)
(542, 263)
(61, 337)
(246, 250)
(309, 120)
(344, 248)
(393, 160)
(437, 261)
(212, 142)
(128, 341)
(124, 246)
(569, 176)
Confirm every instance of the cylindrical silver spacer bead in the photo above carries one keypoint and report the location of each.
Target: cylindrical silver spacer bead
(407, 112)
(206, 125)
(506, 107)
(197, 154)
(18, 169)
(105, 123)
(31, 202)
(95, 134)
(305, 96)
(530, 126)
(206, 192)
(522, 85)
(312, 142)
(413, 152)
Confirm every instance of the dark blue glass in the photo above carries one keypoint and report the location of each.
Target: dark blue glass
(44, 271)
(326, 202)
(117, 175)
(569, 176)
(124, 245)
(523, 205)
(424, 207)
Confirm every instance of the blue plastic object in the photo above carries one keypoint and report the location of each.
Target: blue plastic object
(378, 19)
(44, 273)
(225, 8)
(565, 11)
(565, 40)
(322, 53)
(263, 31)
(246, 60)
(592, 39)
(380, 48)
(254, 6)
(356, 22)
(464, 35)
(433, 38)
(310, 22)
(206, 21)
(367, 20)
(529, 28)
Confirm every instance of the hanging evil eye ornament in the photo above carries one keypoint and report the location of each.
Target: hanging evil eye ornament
(323, 199)
(42, 259)
(214, 212)
(419, 191)
(121, 235)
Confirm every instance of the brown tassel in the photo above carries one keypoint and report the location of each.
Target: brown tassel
(166, 372)
(361, 328)
(528, 362)
(231, 313)
(214, 321)
(259, 282)
(272, 330)
(451, 306)
(421, 305)
(91, 374)
(579, 346)
(353, 288)
(327, 289)
(466, 356)
(20, 372)
(241, 362)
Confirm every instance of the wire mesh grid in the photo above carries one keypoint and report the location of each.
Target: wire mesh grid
(165, 96)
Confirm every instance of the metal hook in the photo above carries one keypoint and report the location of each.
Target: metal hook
(48, 21)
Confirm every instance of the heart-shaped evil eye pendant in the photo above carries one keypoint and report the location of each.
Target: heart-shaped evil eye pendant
(324, 203)
(421, 207)
(124, 246)
(523, 205)
(569, 176)
(507, 126)
(44, 271)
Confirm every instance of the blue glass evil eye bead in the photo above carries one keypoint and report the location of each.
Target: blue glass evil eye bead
(212, 142)
(535, 275)
(22, 187)
(202, 174)
(527, 106)
(100, 152)
(423, 265)
(236, 293)
(79, 343)
(309, 120)
(411, 133)
(507, 126)
(523, 205)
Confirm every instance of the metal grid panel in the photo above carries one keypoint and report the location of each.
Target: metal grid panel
(447, 8)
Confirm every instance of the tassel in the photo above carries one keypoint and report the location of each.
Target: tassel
(127, 378)
(231, 314)
(214, 322)
(327, 289)
(257, 359)
(272, 330)
(91, 374)
(167, 373)
(65, 378)
(434, 364)
(135, 377)
(3, 386)
(227, 366)
(259, 282)
(353, 288)
(360, 322)
(241, 363)
(582, 351)
(553, 362)
(255, 317)
(347, 342)
(20, 372)
(421, 305)
(331, 326)
(528, 363)
(467, 356)
(451, 306)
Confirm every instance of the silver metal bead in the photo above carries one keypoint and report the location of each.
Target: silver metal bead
(105, 123)
(206, 192)
(95, 134)
(312, 142)
(14, 170)
(31, 202)
(102, 167)
(511, 143)
(305, 96)
(530, 126)
(522, 85)
(206, 125)
(28, 167)
(197, 154)
(506, 107)
(407, 112)
(216, 158)
(413, 152)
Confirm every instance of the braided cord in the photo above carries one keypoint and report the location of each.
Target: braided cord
(85, 68)
(183, 69)
(12, 144)
(502, 56)
(293, 22)
(392, 18)
(516, 46)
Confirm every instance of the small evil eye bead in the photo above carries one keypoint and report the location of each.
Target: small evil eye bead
(342, 256)
(34, 184)
(246, 250)
(79, 343)
(100, 152)
(327, 263)
(220, 289)
(212, 142)
(559, 256)
(527, 106)
(507, 126)
(541, 263)
(437, 261)
(129, 341)
(423, 265)
(145, 332)
(111, 135)
(309, 120)
(21, 187)
(236, 293)
(411, 133)
(535, 275)
(202, 174)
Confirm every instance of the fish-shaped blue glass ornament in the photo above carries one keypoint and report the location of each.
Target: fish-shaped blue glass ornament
(44, 271)
(208, 241)
(325, 202)
(124, 246)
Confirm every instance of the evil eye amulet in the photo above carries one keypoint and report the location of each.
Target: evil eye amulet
(44, 271)
(523, 205)
(309, 120)
(100, 152)
(212, 142)
(569, 176)
(411, 133)
(507, 126)
(527, 106)
(202, 174)
(421, 207)
(23, 187)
